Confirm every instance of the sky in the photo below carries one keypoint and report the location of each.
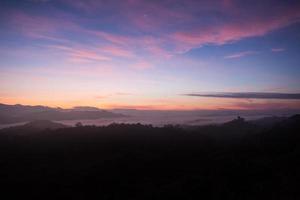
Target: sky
(159, 54)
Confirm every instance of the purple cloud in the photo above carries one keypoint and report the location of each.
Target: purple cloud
(248, 95)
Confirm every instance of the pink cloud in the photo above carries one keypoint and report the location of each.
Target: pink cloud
(142, 65)
(81, 55)
(164, 29)
(140, 14)
(39, 27)
(113, 38)
(159, 51)
(112, 94)
(88, 6)
(126, 46)
(154, 46)
(234, 31)
(240, 54)
(138, 107)
(277, 49)
(228, 3)
(118, 51)
(102, 96)
(151, 16)
(32, 26)
(88, 55)
(123, 93)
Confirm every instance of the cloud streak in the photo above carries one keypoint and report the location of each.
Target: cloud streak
(80, 55)
(248, 95)
(167, 28)
(240, 54)
(277, 49)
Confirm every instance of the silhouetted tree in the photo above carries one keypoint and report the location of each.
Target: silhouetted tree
(78, 124)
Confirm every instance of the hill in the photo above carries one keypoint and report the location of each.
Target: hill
(134, 161)
(35, 126)
(20, 113)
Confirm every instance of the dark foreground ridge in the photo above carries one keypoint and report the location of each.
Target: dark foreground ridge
(236, 160)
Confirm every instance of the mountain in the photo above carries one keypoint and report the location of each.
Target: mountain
(22, 113)
(85, 108)
(34, 126)
(44, 124)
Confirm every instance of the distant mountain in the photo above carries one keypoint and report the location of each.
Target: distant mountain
(85, 108)
(21, 113)
(38, 125)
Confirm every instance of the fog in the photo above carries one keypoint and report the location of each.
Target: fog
(161, 118)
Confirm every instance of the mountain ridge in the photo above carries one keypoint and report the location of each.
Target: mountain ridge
(23, 113)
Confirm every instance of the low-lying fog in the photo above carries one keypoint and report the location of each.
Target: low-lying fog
(161, 118)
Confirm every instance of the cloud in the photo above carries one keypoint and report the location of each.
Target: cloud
(142, 65)
(102, 96)
(179, 26)
(158, 29)
(265, 105)
(230, 32)
(248, 95)
(131, 44)
(39, 26)
(123, 93)
(277, 49)
(40, 1)
(252, 23)
(118, 51)
(79, 54)
(240, 54)
(111, 37)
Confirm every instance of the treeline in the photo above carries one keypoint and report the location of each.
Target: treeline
(236, 160)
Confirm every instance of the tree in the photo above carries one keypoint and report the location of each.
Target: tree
(78, 124)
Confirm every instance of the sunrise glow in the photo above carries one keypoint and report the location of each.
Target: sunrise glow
(149, 54)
